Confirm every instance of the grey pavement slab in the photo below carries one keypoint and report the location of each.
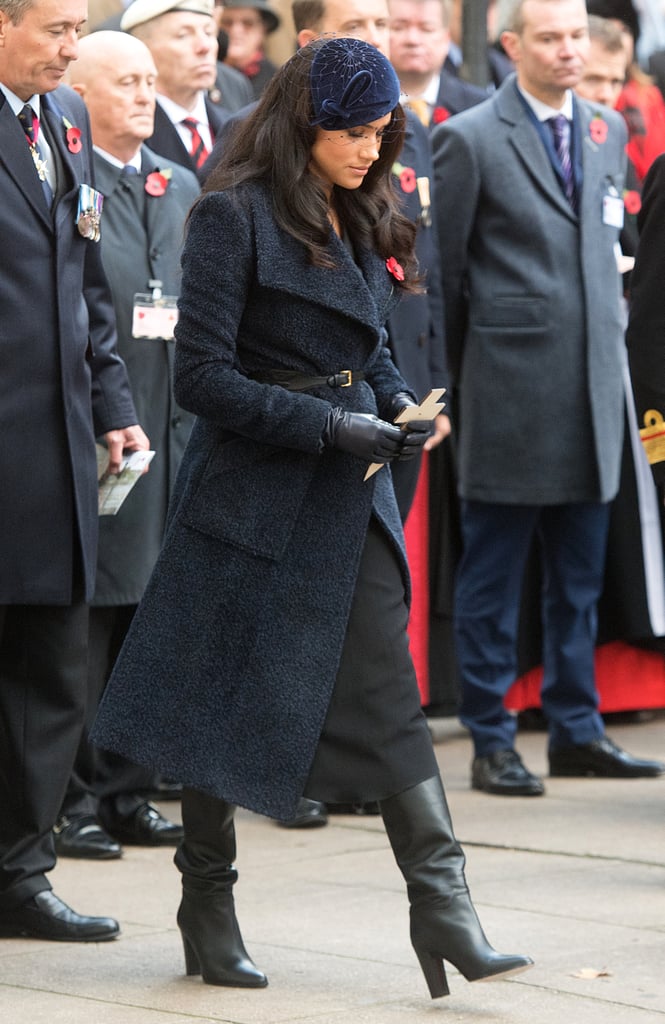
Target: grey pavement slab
(576, 879)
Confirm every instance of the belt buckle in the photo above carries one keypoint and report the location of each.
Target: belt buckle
(349, 374)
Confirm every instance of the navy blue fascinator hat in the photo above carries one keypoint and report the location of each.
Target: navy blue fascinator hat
(352, 83)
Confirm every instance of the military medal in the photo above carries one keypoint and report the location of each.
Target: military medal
(42, 169)
(88, 218)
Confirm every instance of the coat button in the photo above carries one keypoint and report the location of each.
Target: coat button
(176, 421)
(422, 340)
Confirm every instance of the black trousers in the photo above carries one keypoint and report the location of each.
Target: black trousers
(42, 707)
(99, 775)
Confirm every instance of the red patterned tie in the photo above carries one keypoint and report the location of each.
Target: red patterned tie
(197, 149)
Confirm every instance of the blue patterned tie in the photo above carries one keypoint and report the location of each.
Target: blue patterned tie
(561, 136)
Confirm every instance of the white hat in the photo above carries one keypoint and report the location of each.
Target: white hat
(145, 10)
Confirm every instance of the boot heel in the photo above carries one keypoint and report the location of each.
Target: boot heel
(435, 973)
(192, 964)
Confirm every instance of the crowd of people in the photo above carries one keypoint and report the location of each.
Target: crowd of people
(268, 274)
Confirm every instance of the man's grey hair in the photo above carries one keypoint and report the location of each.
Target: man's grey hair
(15, 9)
(510, 16)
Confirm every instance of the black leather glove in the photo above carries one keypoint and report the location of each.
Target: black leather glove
(363, 435)
(415, 435)
(396, 403)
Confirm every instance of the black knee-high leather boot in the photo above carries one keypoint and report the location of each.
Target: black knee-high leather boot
(444, 924)
(210, 933)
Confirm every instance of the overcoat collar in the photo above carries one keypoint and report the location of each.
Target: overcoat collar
(362, 290)
(525, 139)
(153, 211)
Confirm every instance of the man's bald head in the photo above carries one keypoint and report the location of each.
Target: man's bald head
(116, 76)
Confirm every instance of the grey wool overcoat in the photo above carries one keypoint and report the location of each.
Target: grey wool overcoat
(227, 673)
(532, 300)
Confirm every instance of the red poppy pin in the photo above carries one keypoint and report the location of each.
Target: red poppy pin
(406, 177)
(394, 268)
(73, 136)
(157, 182)
(632, 201)
(598, 129)
(439, 115)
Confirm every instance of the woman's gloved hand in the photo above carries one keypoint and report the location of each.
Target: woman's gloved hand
(362, 434)
(414, 434)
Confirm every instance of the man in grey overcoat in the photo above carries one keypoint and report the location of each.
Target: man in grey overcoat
(147, 199)
(529, 214)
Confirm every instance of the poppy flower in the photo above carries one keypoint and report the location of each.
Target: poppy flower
(73, 136)
(394, 268)
(406, 177)
(157, 182)
(440, 114)
(598, 129)
(632, 201)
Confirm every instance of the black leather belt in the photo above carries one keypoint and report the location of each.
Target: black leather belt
(293, 381)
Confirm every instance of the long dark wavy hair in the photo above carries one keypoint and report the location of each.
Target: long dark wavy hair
(274, 145)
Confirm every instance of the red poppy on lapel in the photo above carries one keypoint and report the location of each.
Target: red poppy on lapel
(632, 201)
(598, 129)
(406, 176)
(157, 182)
(439, 115)
(394, 268)
(73, 136)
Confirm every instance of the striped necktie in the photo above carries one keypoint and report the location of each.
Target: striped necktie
(197, 150)
(560, 127)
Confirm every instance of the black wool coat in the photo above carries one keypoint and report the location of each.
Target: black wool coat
(227, 672)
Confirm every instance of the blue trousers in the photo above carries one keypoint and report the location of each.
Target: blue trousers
(496, 543)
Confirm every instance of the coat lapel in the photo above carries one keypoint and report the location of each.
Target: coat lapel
(528, 146)
(360, 290)
(15, 157)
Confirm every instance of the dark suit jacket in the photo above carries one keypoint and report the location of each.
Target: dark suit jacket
(62, 379)
(454, 96)
(166, 141)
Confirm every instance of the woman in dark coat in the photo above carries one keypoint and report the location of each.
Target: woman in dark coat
(269, 656)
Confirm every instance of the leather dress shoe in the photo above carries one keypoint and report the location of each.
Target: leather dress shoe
(45, 916)
(82, 836)
(309, 814)
(601, 757)
(145, 826)
(503, 774)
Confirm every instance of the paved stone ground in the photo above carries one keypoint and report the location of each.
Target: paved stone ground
(575, 879)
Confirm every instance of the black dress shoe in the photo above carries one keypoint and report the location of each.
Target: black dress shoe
(47, 917)
(603, 758)
(82, 836)
(503, 774)
(309, 814)
(143, 827)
